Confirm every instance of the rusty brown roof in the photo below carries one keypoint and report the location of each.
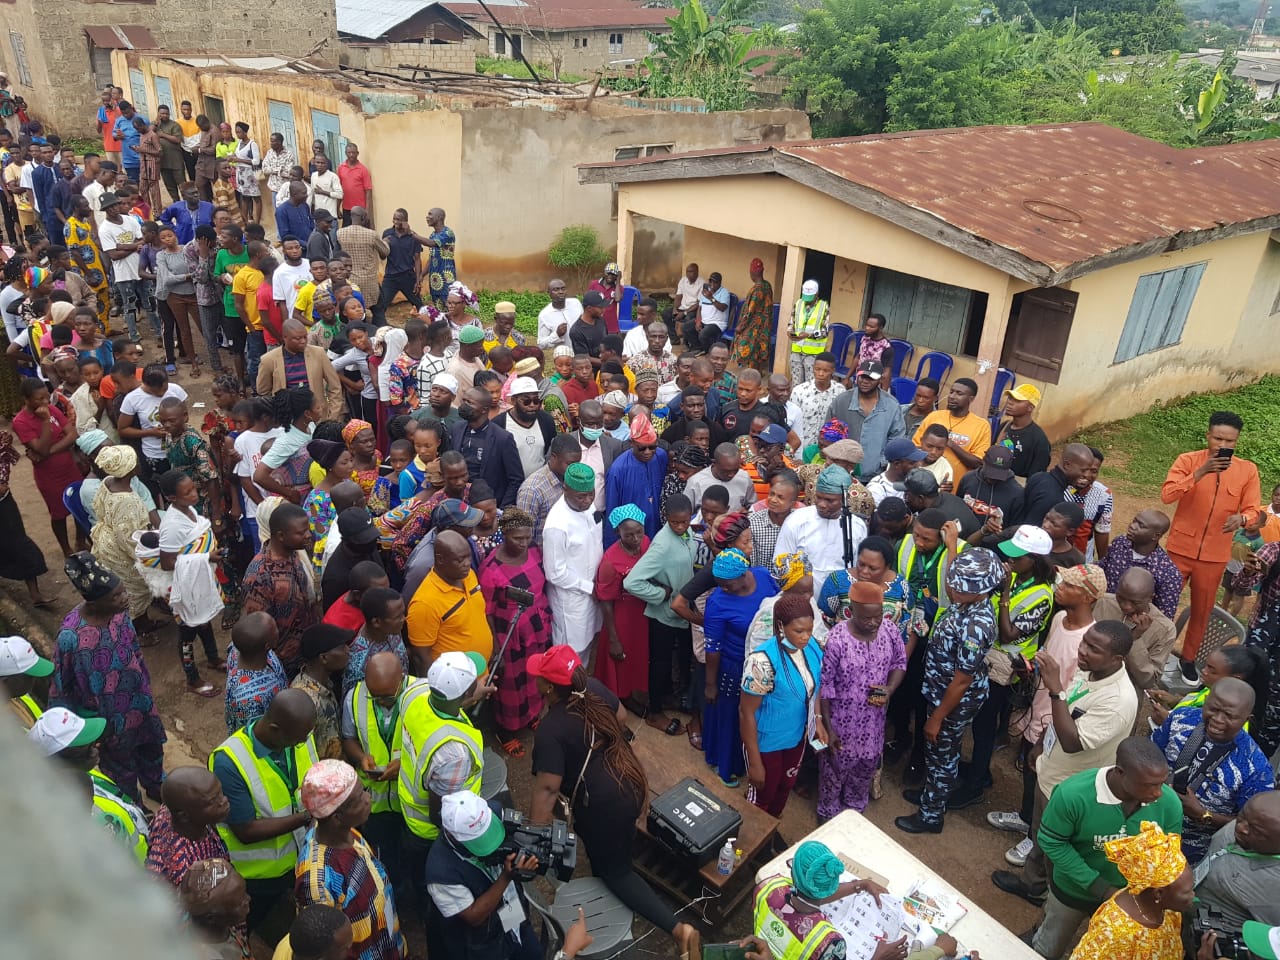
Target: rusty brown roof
(1044, 203)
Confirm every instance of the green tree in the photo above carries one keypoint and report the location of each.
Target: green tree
(704, 58)
(1127, 26)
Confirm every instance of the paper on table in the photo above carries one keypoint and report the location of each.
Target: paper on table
(864, 924)
(927, 904)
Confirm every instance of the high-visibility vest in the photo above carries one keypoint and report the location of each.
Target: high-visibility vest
(809, 327)
(773, 930)
(384, 793)
(423, 732)
(27, 709)
(1021, 601)
(907, 555)
(272, 797)
(119, 814)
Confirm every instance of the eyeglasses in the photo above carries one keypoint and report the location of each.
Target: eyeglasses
(645, 449)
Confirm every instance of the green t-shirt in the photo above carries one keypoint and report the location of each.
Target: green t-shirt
(1081, 816)
(228, 262)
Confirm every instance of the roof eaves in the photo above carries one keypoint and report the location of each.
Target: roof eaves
(742, 161)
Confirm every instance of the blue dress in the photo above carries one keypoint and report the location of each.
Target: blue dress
(630, 481)
(725, 624)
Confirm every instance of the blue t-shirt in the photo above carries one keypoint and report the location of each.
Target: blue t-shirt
(128, 137)
(727, 616)
(403, 257)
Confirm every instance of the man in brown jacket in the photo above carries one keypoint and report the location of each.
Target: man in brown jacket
(367, 251)
(296, 362)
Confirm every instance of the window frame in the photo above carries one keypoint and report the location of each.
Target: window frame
(1154, 288)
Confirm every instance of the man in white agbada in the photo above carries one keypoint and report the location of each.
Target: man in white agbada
(816, 529)
(572, 547)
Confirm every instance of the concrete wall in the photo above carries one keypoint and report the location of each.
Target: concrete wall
(579, 51)
(459, 57)
(64, 90)
(730, 256)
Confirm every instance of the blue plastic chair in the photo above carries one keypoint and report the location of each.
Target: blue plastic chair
(71, 500)
(857, 348)
(902, 351)
(903, 389)
(841, 336)
(1005, 379)
(627, 309)
(735, 310)
(934, 364)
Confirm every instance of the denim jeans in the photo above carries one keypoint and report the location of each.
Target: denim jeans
(255, 346)
(134, 299)
(210, 318)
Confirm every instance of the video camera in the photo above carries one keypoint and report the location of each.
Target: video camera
(555, 846)
(1229, 944)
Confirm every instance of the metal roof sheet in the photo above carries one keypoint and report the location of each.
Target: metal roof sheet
(1062, 199)
(370, 19)
(121, 37)
(568, 14)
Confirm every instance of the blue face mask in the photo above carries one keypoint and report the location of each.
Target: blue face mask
(592, 433)
(787, 644)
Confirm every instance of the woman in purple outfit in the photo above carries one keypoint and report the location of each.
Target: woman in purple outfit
(864, 662)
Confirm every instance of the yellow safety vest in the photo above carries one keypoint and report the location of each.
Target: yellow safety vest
(809, 326)
(27, 709)
(774, 931)
(1019, 602)
(385, 794)
(272, 797)
(906, 560)
(119, 814)
(423, 733)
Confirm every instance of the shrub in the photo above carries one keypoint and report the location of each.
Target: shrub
(578, 253)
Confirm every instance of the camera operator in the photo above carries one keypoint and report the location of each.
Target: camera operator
(581, 750)
(1240, 877)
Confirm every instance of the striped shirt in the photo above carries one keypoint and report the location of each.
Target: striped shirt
(351, 879)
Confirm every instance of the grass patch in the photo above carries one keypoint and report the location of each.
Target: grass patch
(1139, 450)
(529, 304)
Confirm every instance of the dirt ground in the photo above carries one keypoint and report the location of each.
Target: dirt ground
(965, 853)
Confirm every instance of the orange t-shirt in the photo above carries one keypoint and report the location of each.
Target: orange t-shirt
(108, 386)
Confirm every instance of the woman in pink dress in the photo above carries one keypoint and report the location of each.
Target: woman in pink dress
(622, 660)
(48, 431)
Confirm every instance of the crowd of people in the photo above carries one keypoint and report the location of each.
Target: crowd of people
(431, 537)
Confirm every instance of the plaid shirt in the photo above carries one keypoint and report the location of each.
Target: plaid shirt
(367, 251)
(428, 367)
(538, 494)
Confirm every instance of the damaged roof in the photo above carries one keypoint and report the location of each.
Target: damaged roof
(1042, 203)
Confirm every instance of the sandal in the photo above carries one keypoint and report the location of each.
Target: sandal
(206, 689)
(220, 665)
(514, 749)
(732, 784)
(695, 739)
(674, 728)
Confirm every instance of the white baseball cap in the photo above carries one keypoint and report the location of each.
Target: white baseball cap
(523, 385)
(446, 380)
(469, 819)
(809, 288)
(452, 674)
(19, 658)
(1027, 539)
(59, 728)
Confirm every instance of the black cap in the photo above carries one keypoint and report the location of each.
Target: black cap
(322, 638)
(921, 482)
(593, 298)
(356, 526)
(997, 463)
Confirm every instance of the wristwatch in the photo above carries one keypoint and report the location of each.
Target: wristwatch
(1060, 695)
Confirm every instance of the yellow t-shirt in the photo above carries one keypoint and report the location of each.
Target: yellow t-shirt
(246, 283)
(970, 431)
(302, 303)
(189, 127)
(284, 950)
(13, 177)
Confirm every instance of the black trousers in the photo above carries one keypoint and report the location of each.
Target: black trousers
(665, 643)
(392, 284)
(701, 340)
(985, 727)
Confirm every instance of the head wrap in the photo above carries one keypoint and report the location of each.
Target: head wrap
(326, 787)
(116, 461)
(815, 870)
(265, 509)
(614, 398)
(64, 352)
(642, 431)
(850, 451)
(325, 452)
(352, 430)
(729, 528)
(1089, 577)
(648, 375)
(756, 266)
(562, 351)
(833, 430)
(429, 312)
(628, 511)
(91, 440)
(730, 564)
(388, 343)
(787, 569)
(462, 290)
(834, 479)
(513, 517)
(580, 478)
(36, 276)
(692, 455)
(1148, 861)
(91, 579)
(975, 571)
(61, 310)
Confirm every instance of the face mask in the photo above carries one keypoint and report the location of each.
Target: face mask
(591, 433)
(787, 644)
(466, 412)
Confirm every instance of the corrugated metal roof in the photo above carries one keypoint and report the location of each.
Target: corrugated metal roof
(243, 63)
(121, 37)
(370, 19)
(1060, 198)
(568, 14)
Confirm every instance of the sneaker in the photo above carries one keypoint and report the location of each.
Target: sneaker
(1017, 856)
(964, 796)
(1010, 821)
(1189, 672)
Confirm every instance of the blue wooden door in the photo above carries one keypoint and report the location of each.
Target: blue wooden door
(138, 91)
(325, 127)
(164, 94)
(281, 118)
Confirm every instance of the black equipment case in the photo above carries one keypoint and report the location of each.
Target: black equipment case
(692, 820)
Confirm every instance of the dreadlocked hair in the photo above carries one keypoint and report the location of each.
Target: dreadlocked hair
(609, 734)
(288, 405)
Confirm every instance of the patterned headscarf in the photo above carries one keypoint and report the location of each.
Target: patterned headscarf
(352, 430)
(756, 266)
(692, 455)
(462, 290)
(833, 430)
(787, 569)
(628, 511)
(1150, 860)
(730, 564)
(117, 461)
(327, 786)
(1089, 577)
(642, 431)
(64, 352)
(729, 528)
(35, 276)
(91, 579)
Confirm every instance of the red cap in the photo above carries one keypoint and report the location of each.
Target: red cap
(556, 665)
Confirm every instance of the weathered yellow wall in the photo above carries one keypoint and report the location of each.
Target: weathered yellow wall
(730, 256)
(417, 164)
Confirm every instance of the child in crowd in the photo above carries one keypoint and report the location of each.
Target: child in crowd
(1061, 523)
(562, 361)
(89, 339)
(255, 427)
(254, 672)
(1247, 541)
(427, 441)
(934, 444)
